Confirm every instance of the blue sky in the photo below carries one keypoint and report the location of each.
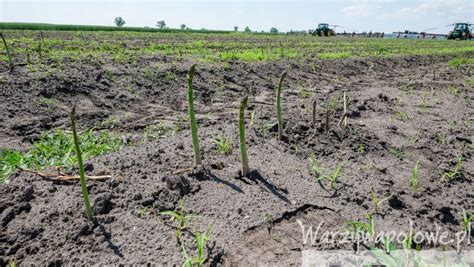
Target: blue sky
(375, 15)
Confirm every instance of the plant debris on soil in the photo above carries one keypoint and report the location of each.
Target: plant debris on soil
(399, 114)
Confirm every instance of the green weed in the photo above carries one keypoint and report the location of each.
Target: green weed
(455, 172)
(57, 149)
(358, 227)
(459, 61)
(200, 241)
(415, 184)
(157, 131)
(180, 216)
(401, 116)
(453, 90)
(397, 152)
(224, 144)
(320, 174)
(466, 220)
(378, 202)
(143, 211)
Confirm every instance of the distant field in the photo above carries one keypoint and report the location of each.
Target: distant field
(128, 46)
(69, 27)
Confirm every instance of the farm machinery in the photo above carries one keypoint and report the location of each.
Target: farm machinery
(324, 30)
(460, 31)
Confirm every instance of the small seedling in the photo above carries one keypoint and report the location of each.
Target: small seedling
(401, 116)
(357, 227)
(180, 216)
(388, 245)
(414, 177)
(143, 211)
(455, 172)
(442, 138)
(466, 220)
(453, 90)
(268, 221)
(361, 149)
(315, 170)
(243, 145)
(9, 54)
(224, 144)
(378, 202)
(332, 178)
(278, 106)
(85, 193)
(451, 125)
(319, 173)
(192, 117)
(397, 152)
(200, 240)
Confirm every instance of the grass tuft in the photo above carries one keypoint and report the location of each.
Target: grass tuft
(57, 149)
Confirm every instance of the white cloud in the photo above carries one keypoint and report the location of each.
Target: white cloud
(363, 9)
(459, 9)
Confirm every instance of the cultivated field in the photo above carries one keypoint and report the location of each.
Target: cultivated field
(399, 151)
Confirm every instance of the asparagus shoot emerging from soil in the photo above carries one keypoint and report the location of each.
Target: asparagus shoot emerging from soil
(345, 109)
(314, 112)
(10, 58)
(243, 146)
(192, 117)
(327, 115)
(278, 106)
(85, 194)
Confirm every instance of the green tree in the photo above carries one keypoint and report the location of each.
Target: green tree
(183, 26)
(274, 30)
(236, 28)
(247, 29)
(119, 21)
(161, 24)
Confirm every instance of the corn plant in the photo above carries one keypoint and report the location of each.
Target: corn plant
(455, 172)
(85, 193)
(466, 220)
(243, 145)
(192, 117)
(180, 216)
(200, 240)
(278, 106)
(414, 177)
(9, 54)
